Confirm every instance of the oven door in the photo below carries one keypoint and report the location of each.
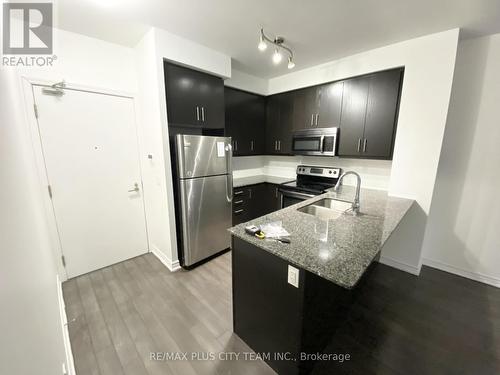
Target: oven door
(289, 198)
(308, 144)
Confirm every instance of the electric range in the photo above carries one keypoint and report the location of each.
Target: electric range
(311, 181)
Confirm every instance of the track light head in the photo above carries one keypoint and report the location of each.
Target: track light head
(277, 56)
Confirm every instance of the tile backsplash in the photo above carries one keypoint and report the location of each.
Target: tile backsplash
(375, 174)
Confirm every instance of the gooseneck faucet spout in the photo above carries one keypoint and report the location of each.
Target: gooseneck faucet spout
(355, 203)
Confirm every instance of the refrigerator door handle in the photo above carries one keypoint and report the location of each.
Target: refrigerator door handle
(229, 179)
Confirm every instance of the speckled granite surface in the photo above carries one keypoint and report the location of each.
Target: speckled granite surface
(252, 180)
(338, 250)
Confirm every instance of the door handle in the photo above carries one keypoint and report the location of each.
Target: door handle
(203, 114)
(135, 189)
(365, 142)
(197, 113)
(312, 119)
(317, 118)
(359, 144)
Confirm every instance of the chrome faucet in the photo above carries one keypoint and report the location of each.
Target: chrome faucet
(355, 203)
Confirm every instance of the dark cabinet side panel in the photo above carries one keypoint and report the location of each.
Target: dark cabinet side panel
(266, 309)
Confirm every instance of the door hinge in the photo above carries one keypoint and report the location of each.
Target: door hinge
(35, 108)
(49, 188)
(63, 260)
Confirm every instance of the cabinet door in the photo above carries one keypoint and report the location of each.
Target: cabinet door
(273, 198)
(272, 124)
(330, 104)
(256, 132)
(257, 201)
(211, 91)
(381, 114)
(305, 108)
(236, 122)
(353, 116)
(284, 131)
(183, 97)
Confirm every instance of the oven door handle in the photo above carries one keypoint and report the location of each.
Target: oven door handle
(294, 194)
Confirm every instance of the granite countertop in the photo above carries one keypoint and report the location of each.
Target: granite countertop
(339, 250)
(259, 179)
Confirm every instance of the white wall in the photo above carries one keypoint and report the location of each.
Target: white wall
(150, 53)
(247, 82)
(31, 340)
(462, 235)
(88, 61)
(429, 64)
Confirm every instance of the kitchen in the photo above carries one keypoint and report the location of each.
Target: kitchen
(340, 151)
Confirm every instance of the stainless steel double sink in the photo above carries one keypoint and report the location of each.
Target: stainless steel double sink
(327, 208)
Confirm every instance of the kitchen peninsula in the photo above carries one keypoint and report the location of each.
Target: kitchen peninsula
(288, 299)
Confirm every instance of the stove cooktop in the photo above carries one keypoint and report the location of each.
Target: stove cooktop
(310, 187)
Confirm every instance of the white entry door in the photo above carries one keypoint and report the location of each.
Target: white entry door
(89, 143)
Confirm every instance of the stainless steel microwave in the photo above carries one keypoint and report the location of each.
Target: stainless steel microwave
(319, 142)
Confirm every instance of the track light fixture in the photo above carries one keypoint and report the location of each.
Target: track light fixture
(278, 43)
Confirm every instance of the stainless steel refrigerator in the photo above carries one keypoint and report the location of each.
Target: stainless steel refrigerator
(205, 194)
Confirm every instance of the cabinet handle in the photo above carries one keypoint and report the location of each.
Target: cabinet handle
(364, 144)
(279, 145)
(275, 145)
(317, 118)
(238, 202)
(276, 192)
(235, 145)
(239, 192)
(251, 145)
(197, 113)
(203, 114)
(238, 211)
(312, 119)
(250, 193)
(359, 144)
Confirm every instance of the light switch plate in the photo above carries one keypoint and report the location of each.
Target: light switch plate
(293, 276)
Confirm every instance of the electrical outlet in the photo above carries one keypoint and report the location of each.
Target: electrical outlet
(293, 276)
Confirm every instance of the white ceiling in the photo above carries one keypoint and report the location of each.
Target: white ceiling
(317, 30)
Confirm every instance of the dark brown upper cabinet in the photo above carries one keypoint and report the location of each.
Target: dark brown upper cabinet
(194, 99)
(369, 115)
(318, 106)
(306, 103)
(279, 124)
(245, 121)
(330, 105)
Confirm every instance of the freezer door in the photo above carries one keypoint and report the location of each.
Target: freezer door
(200, 156)
(206, 216)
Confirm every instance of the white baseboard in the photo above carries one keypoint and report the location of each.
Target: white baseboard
(400, 265)
(70, 365)
(172, 266)
(476, 276)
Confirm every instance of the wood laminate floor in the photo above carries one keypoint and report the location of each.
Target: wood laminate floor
(437, 323)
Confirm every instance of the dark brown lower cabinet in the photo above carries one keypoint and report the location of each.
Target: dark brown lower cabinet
(250, 202)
